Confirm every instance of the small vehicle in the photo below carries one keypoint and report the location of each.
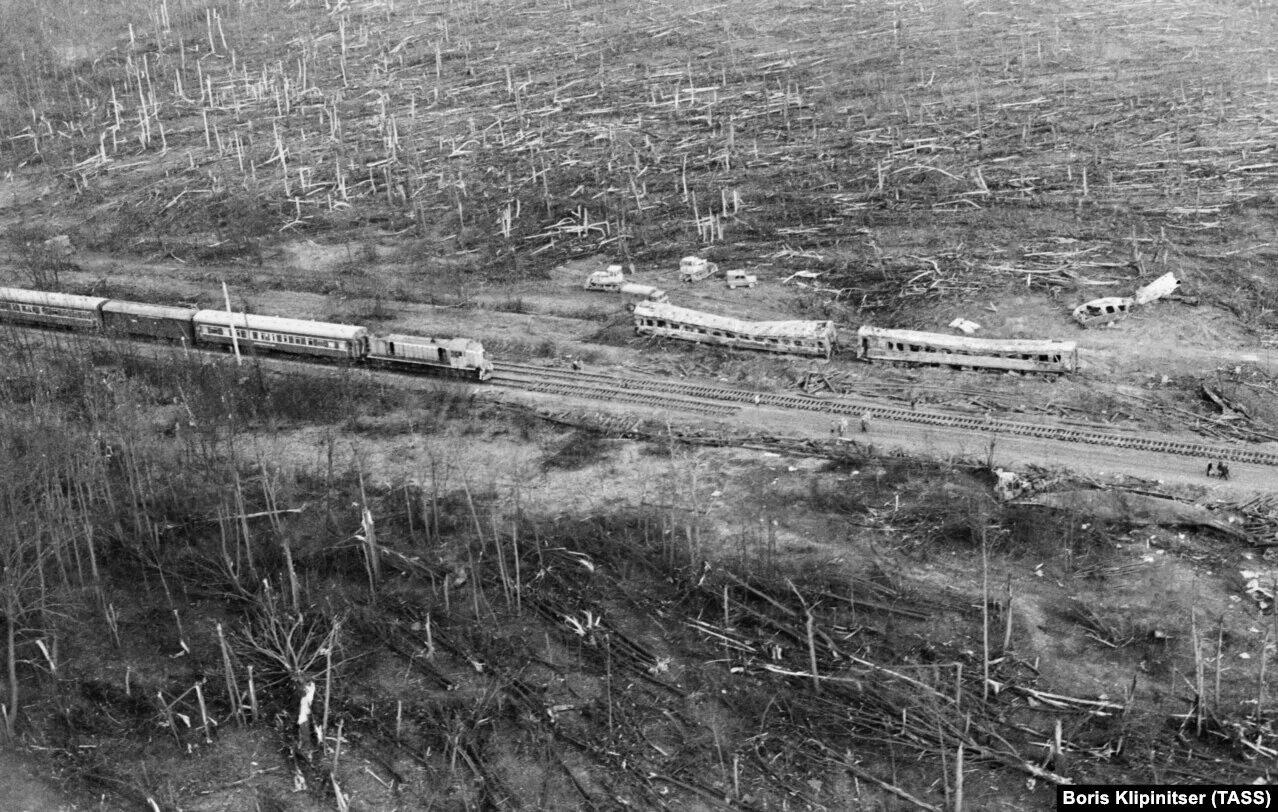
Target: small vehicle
(741, 279)
(652, 294)
(611, 279)
(614, 281)
(694, 269)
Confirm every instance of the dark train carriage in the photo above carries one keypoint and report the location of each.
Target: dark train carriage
(153, 321)
(54, 309)
(298, 336)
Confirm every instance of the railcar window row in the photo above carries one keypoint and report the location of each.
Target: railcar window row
(1044, 358)
(900, 346)
(46, 310)
(775, 341)
(275, 338)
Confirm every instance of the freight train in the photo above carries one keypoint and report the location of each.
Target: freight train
(456, 357)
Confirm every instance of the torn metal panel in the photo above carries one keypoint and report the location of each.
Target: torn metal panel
(1164, 285)
(1103, 311)
(966, 325)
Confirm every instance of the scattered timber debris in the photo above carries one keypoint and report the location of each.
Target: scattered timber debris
(1257, 516)
(1229, 409)
(806, 276)
(1137, 508)
(818, 382)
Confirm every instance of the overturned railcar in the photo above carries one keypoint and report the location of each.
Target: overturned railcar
(795, 337)
(915, 347)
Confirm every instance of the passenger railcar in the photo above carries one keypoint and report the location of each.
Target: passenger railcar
(461, 357)
(151, 321)
(296, 336)
(55, 309)
(795, 337)
(912, 346)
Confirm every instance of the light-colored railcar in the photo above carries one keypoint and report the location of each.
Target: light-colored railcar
(56, 309)
(916, 347)
(297, 336)
(461, 357)
(794, 337)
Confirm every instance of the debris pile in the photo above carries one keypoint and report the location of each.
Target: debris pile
(1112, 309)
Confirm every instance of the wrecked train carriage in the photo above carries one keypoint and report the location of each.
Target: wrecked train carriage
(915, 347)
(793, 337)
(1101, 312)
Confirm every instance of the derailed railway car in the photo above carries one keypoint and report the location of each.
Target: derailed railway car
(52, 309)
(297, 336)
(794, 337)
(457, 357)
(913, 346)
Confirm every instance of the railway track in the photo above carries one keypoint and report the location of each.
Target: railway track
(515, 374)
(718, 401)
(604, 387)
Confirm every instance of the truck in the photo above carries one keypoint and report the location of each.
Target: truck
(613, 280)
(694, 269)
(740, 279)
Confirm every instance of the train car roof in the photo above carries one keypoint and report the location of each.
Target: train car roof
(154, 311)
(1027, 345)
(40, 297)
(790, 329)
(464, 343)
(319, 329)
